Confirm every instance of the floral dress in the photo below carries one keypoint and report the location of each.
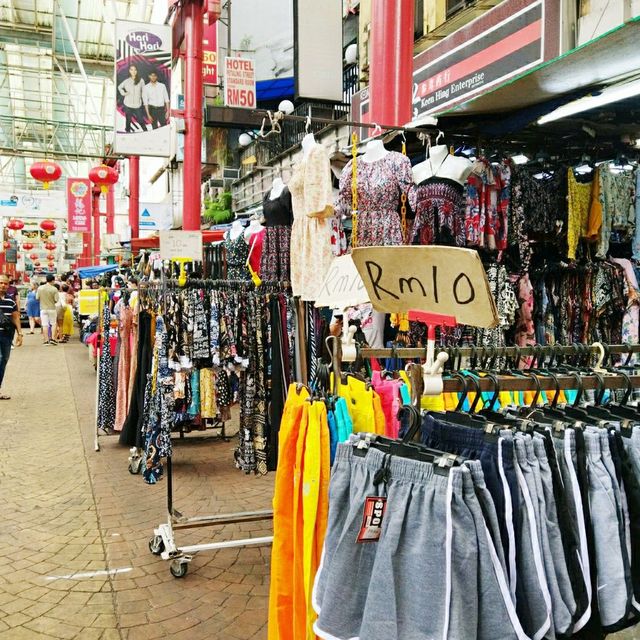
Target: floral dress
(275, 261)
(380, 185)
(311, 200)
(237, 253)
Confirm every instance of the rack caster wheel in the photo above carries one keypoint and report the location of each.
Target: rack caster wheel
(156, 545)
(178, 569)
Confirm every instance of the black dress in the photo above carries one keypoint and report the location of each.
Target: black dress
(275, 262)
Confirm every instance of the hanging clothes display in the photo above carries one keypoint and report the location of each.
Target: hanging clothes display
(312, 205)
(237, 252)
(275, 263)
(106, 389)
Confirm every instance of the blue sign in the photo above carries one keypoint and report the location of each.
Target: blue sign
(9, 203)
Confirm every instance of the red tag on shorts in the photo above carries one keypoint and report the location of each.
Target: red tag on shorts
(374, 508)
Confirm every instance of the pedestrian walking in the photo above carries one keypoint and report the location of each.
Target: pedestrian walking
(9, 325)
(33, 308)
(48, 297)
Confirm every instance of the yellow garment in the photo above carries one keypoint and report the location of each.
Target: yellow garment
(379, 422)
(400, 321)
(207, 393)
(286, 524)
(67, 322)
(578, 212)
(594, 224)
(359, 397)
(433, 403)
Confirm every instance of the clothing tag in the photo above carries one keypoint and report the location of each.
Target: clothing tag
(374, 508)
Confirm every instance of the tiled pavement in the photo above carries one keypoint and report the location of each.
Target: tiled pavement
(74, 560)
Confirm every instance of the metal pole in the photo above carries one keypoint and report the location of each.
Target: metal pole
(169, 487)
(96, 224)
(228, 30)
(193, 31)
(134, 196)
(391, 68)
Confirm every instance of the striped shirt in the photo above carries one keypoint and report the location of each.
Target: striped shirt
(7, 306)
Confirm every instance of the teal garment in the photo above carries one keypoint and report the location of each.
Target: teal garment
(404, 394)
(194, 405)
(571, 395)
(343, 420)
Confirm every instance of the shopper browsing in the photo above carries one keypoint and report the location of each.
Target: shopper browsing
(9, 324)
(156, 101)
(48, 296)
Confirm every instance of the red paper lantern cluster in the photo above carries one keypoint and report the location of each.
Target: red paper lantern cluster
(50, 246)
(46, 172)
(103, 176)
(52, 265)
(33, 256)
(48, 225)
(50, 257)
(27, 246)
(36, 263)
(15, 224)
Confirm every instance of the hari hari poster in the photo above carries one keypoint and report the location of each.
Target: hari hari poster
(143, 85)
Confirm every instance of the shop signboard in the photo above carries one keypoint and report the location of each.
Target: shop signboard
(74, 243)
(181, 244)
(239, 83)
(210, 54)
(155, 216)
(143, 88)
(445, 280)
(342, 286)
(79, 205)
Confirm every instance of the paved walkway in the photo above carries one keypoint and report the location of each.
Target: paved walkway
(74, 560)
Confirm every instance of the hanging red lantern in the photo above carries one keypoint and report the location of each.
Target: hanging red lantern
(50, 246)
(48, 225)
(36, 263)
(15, 224)
(103, 176)
(50, 256)
(6, 245)
(33, 256)
(52, 265)
(27, 246)
(46, 172)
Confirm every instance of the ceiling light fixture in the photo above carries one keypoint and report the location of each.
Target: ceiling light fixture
(612, 93)
(520, 158)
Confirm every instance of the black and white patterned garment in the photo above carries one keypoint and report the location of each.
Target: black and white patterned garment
(200, 327)
(106, 389)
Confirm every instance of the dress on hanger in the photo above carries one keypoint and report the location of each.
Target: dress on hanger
(579, 206)
(311, 198)
(380, 185)
(124, 366)
(275, 262)
(237, 253)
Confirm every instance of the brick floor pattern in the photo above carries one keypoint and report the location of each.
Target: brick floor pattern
(70, 510)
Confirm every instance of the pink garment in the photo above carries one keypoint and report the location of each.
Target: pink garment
(525, 329)
(255, 250)
(389, 392)
(631, 318)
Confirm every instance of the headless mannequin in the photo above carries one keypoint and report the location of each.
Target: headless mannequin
(375, 151)
(277, 187)
(236, 230)
(308, 142)
(254, 227)
(442, 164)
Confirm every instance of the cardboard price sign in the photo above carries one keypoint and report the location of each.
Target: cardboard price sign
(444, 280)
(342, 286)
(239, 83)
(181, 244)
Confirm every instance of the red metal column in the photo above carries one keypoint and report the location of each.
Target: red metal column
(111, 210)
(194, 90)
(391, 61)
(95, 200)
(134, 196)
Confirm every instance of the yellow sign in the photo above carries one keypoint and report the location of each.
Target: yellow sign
(444, 280)
(89, 302)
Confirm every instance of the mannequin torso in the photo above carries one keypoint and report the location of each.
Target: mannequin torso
(442, 164)
(236, 230)
(375, 151)
(276, 188)
(254, 227)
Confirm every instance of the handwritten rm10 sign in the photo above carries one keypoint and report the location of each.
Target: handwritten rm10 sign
(443, 280)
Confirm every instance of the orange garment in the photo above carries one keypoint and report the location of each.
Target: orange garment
(594, 222)
(379, 423)
(281, 590)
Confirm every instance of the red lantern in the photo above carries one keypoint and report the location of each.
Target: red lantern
(6, 244)
(15, 225)
(33, 256)
(103, 176)
(46, 172)
(27, 246)
(48, 225)
(52, 265)
(50, 256)
(36, 263)
(50, 246)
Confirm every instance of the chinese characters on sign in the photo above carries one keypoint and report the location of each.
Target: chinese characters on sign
(79, 205)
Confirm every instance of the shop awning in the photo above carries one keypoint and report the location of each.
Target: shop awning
(612, 56)
(98, 270)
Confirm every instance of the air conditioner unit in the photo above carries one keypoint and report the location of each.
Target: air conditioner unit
(229, 173)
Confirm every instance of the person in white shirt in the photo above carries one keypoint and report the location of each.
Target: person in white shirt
(131, 89)
(156, 101)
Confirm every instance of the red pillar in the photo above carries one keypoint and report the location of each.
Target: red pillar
(96, 224)
(111, 210)
(193, 18)
(391, 61)
(134, 196)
